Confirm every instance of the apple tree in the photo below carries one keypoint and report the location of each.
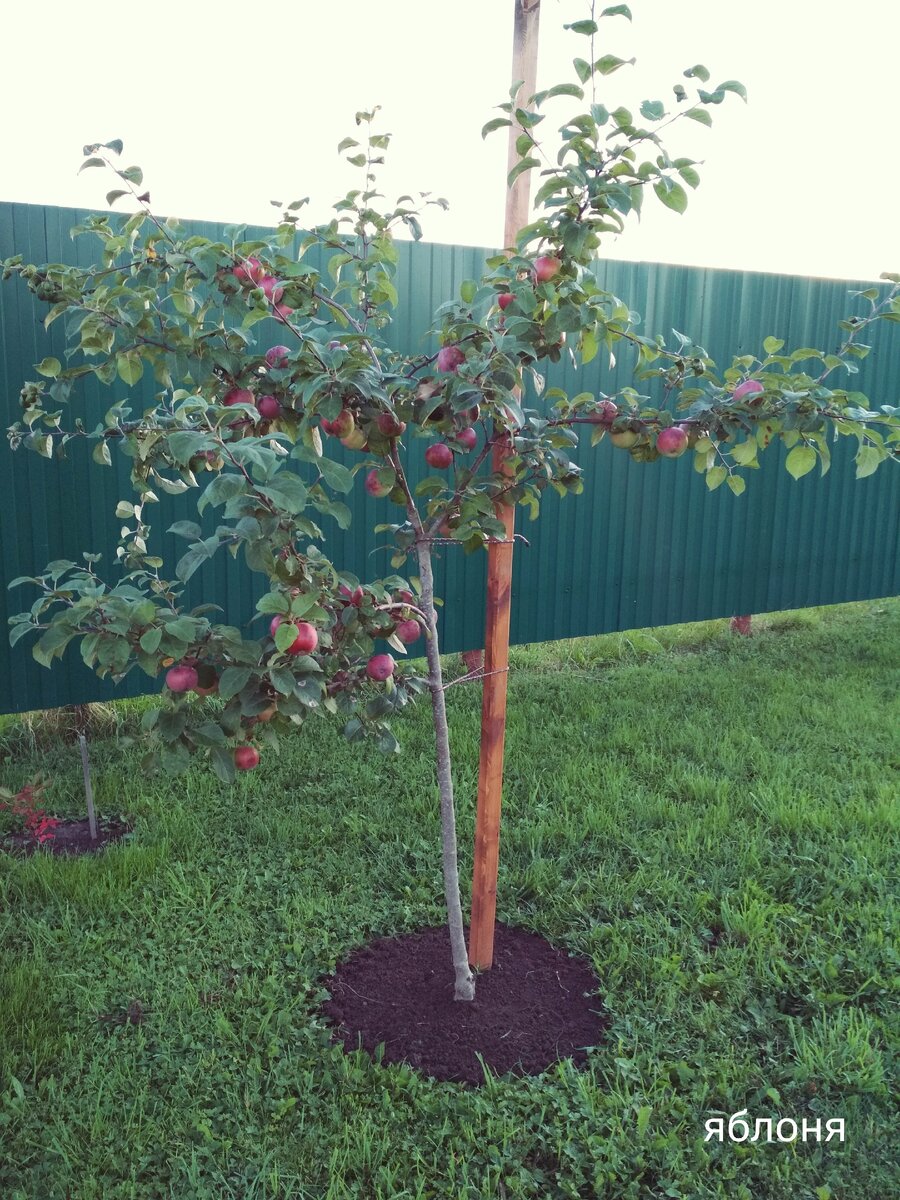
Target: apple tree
(261, 362)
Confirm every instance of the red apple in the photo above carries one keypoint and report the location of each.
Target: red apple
(380, 667)
(306, 640)
(439, 456)
(749, 390)
(408, 632)
(250, 270)
(406, 597)
(237, 395)
(273, 288)
(390, 425)
(277, 356)
(182, 678)
(672, 442)
(467, 438)
(449, 358)
(246, 757)
(269, 408)
(375, 487)
(282, 310)
(342, 425)
(505, 299)
(546, 267)
(606, 412)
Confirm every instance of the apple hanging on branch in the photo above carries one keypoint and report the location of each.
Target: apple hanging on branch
(198, 316)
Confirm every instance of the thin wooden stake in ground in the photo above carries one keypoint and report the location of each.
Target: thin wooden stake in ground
(500, 561)
(88, 790)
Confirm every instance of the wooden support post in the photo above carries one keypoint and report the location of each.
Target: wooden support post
(500, 562)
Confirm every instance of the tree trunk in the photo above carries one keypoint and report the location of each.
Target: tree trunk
(465, 981)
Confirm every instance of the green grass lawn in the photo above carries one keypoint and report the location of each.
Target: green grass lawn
(712, 820)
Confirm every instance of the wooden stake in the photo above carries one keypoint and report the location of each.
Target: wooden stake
(500, 562)
(88, 790)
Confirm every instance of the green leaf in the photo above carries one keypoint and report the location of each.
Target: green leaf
(582, 69)
(584, 27)
(282, 680)
(772, 345)
(715, 477)
(186, 443)
(671, 194)
(273, 602)
(232, 680)
(690, 176)
(653, 110)
(496, 123)
(525, 164)
(287, 491)
(733, 85)
(564, 89)
(737, 484)
(868, 459)
(222, 762)
(50, 367)
(114, 195)
(285, 636)
(185, 529)
(151, 639)
(745, 452)
(130, 366)
(336, 475)
(699, 114)
(609, 63)
(19, 631)
(149, 719)
(617, 10)
(800, 461)
(697, 72)
(467, 290)
(101, 454)
(223, 488)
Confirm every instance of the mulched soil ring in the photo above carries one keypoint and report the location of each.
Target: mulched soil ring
(71, 837)
(535, 1006)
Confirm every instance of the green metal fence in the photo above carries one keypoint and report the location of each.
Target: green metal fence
(644, 545)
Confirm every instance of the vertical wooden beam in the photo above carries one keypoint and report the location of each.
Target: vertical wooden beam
(500, 563)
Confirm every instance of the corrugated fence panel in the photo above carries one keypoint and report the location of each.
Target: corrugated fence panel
(644, 545)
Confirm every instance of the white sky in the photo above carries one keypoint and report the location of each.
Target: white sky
(228, 108)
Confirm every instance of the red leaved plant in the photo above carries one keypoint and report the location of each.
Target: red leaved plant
(24, 805)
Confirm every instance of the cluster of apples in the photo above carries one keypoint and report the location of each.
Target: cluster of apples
(267, 405)
(546, 267)
(250, 274)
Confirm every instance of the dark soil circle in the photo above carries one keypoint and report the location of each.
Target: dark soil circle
(71, 837)
(535, 1006)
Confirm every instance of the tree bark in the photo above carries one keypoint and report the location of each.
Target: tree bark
(464, 988)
